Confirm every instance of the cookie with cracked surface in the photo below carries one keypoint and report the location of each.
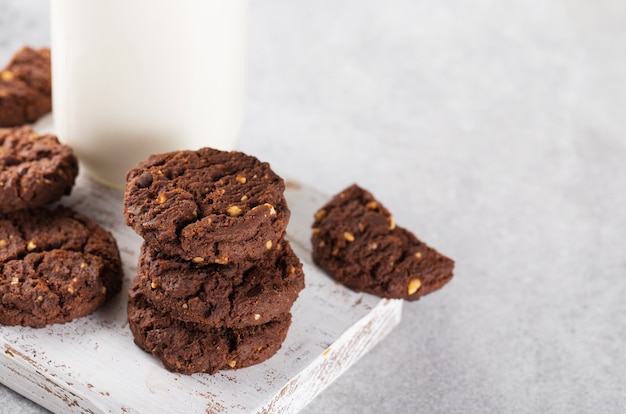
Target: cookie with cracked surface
(206, 205)
(357, 242)
(232, 295)
(35, 170)
(188, 348)
(25, 87)
(55, 266)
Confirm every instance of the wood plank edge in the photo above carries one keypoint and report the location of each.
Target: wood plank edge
(24, 376)
(336, 359)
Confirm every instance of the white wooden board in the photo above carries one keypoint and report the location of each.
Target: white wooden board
(91, 365)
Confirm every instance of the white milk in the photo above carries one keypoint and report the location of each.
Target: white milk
(138, 77)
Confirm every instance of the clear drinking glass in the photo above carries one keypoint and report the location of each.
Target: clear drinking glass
(137, 77)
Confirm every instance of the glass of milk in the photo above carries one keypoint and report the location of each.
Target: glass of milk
(138, 77)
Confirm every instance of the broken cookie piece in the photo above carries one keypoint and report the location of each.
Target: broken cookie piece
(357, 242)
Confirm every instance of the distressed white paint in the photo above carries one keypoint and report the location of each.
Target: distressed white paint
(92, 365)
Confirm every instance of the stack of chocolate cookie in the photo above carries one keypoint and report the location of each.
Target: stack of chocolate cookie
(55, 264)
(216, 277)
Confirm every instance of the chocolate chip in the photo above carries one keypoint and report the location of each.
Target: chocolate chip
(145, 180)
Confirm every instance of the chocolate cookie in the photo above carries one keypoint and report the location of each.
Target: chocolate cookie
(25, 87)
(356, 241)
(222, 295)
(206, 205)
(188, 348)
(34, 169)
(56, 265)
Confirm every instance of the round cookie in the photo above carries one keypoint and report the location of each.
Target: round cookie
(356, 241)
(34, 169)
(188, 348)
(25, 87)
(55, 266)
(206, 205)
(222, 295)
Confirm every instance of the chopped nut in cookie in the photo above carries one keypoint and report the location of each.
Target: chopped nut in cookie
(414, 286)
(31, 246)
(234, 211)
(7, 75)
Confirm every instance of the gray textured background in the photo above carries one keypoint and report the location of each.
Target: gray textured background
(494, 130)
